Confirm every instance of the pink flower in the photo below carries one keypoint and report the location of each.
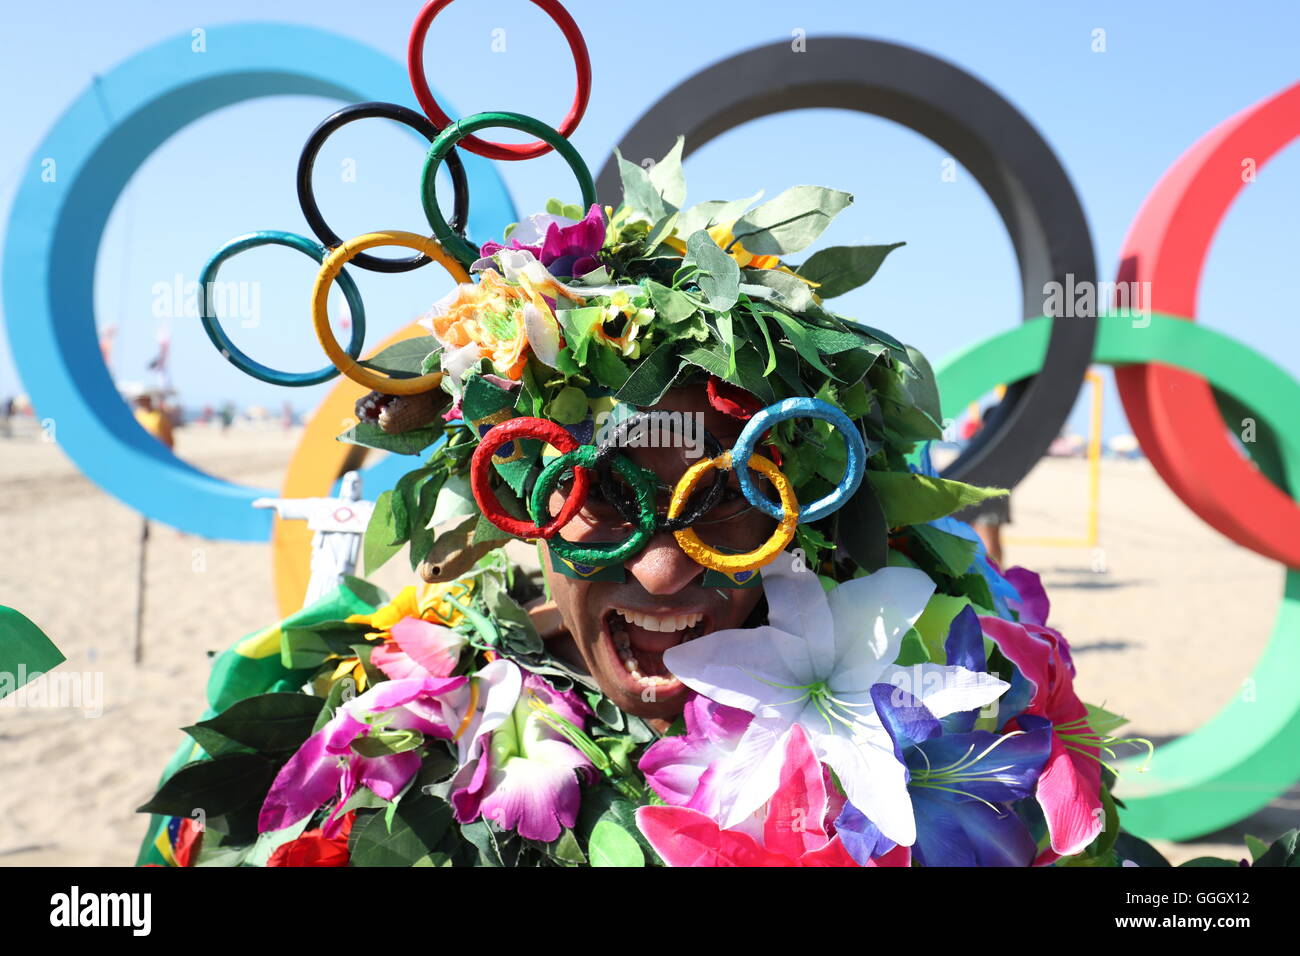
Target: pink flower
(794, 832)
(328, 766)
(684, 770)
(518, 770)
(1069, 788)
(418, 648)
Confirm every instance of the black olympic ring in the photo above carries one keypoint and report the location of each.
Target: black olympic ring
(408, 117)
(980, 129)
(623, 503)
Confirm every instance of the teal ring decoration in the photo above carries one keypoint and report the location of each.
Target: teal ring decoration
(232, 353)
(65, 194)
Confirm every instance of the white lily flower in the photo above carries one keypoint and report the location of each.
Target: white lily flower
(814, 664)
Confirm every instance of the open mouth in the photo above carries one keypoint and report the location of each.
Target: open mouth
(638, 639)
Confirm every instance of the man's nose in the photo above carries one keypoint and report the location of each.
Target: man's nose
(662, 567)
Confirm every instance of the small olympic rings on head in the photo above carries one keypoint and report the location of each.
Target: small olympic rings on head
(711, 557)
(628, 510)
(490, 150)
(459, 246)
(333, 266)
(516, 430)
(211, 325)
(349, 114)
(801, 407)
(643, 489)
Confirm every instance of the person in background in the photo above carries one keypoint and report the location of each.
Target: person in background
(154, 419)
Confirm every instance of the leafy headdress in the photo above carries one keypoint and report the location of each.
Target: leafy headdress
(581, 318)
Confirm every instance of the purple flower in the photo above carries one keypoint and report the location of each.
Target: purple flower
(328, 765)
(519, 771)
(566, 248)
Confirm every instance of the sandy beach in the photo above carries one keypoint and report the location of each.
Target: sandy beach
(1153, 635)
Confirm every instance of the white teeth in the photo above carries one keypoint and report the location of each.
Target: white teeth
(665, 623)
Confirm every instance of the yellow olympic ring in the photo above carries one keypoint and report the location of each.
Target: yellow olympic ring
(329, 271)
(764, 554)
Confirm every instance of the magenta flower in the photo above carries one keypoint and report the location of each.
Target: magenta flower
(1033, 606)
(519, 771)
(328, 765)
(684, 770)
(568, 249)
(1069, 788)
(418, 648)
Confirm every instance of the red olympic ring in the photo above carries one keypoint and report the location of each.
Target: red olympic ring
(491, 150)
(480, 474)
(1173, 413)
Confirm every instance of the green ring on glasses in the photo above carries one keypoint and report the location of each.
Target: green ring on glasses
(607, 553)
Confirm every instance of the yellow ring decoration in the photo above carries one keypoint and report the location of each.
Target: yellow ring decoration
(330, 270)
(710, 557)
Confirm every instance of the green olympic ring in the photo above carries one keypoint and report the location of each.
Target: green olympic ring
(643, 490)
(1249, 752)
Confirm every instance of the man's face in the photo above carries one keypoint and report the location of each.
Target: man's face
(621, 630)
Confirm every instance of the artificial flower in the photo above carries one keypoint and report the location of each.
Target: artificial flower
(1069, 790)
(961, 785)
(726, 240)
(814, 665)
(1031, 604)
(793, 830)
(313, 848)
(328, 764)
(563, 246)
(521, 772)
(684, 770)
(414, 633)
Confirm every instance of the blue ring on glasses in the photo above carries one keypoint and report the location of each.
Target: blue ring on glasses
(855, 463)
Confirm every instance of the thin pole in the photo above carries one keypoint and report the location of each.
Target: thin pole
(139, 593)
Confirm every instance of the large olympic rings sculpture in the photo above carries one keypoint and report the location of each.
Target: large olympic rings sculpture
(1238, 762)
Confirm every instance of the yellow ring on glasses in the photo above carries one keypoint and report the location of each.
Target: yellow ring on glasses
(330, 270)
(709, 557)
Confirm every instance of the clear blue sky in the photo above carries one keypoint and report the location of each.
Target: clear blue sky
(1171, 71)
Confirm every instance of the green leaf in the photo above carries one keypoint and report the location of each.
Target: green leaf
(607, 368)
(569, 406)
(1284, 851)
(910, 499)
(718, 276)
(670, 305)
(578, 326)
(566, 849)
(862, 530)
(269, 723)
(383, 538)
(639, 193)
(667, 178)
(791, 221)
(404, 359)
(788, 291)
(403, 443)
(715, 212)
(216, 786)
(1204, 861)
(1256, 846)
(386, 743)
(841, 269)
(454, 500)
(1102, 721)
(418, 823)
(649, 380)
(611, 845)
(954, 554)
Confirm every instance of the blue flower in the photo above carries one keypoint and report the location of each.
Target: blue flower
(961, 781)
